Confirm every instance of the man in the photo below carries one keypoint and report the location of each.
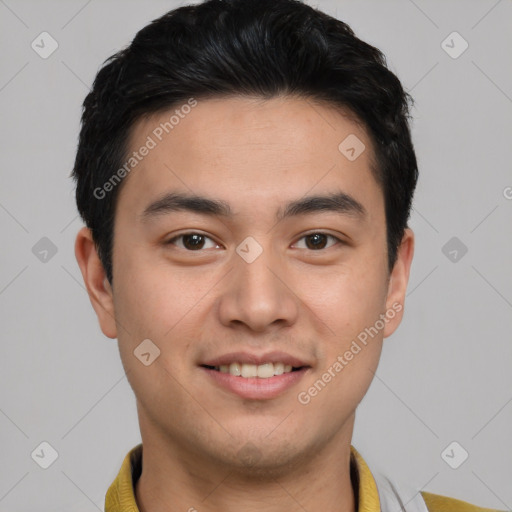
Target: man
(245, 171)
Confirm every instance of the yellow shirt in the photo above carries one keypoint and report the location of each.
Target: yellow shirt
(121, 495)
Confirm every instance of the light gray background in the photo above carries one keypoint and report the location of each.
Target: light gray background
(444, 376)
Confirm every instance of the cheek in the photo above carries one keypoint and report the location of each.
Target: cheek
(349, 358)
(349, 302)
(155, 304)
(348, 298)
(166, 305)
(151, 296)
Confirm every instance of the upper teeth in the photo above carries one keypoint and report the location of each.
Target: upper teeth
(263, 371)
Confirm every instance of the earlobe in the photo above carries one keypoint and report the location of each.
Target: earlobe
(96, 282)
(398, 280)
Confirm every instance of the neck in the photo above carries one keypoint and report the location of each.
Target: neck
(174, 479)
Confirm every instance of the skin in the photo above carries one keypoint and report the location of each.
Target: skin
(256, 155)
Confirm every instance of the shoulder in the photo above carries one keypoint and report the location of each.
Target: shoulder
(437, 503)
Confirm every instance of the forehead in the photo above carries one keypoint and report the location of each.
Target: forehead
(249, 149)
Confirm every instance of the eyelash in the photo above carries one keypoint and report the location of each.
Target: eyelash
(328, 235)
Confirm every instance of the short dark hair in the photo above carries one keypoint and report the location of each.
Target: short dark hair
(222, 48)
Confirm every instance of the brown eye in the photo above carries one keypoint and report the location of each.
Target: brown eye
(317, 241)
(193, 242)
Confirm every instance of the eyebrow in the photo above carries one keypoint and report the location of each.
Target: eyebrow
(339, 202)
(175, 202)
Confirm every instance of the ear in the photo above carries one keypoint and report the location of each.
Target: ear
(398, 280)
(96, 282)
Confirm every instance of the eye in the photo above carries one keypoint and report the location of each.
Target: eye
(193, 242)
(317, 241)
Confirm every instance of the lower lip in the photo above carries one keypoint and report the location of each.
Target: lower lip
(254, 388)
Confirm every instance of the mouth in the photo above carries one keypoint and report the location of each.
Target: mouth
(248, 371)
(255, 377)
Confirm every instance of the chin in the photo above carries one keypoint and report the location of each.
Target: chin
(264, 460)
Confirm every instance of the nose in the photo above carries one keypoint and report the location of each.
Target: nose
(257, 295)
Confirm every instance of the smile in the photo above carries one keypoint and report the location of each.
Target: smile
(255, 382)
(261, 371)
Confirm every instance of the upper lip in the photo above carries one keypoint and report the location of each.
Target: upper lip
(257, 359)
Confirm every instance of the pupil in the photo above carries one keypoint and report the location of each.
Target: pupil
(193, 241)
(316, 241)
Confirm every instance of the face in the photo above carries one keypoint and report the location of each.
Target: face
(247, 242)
